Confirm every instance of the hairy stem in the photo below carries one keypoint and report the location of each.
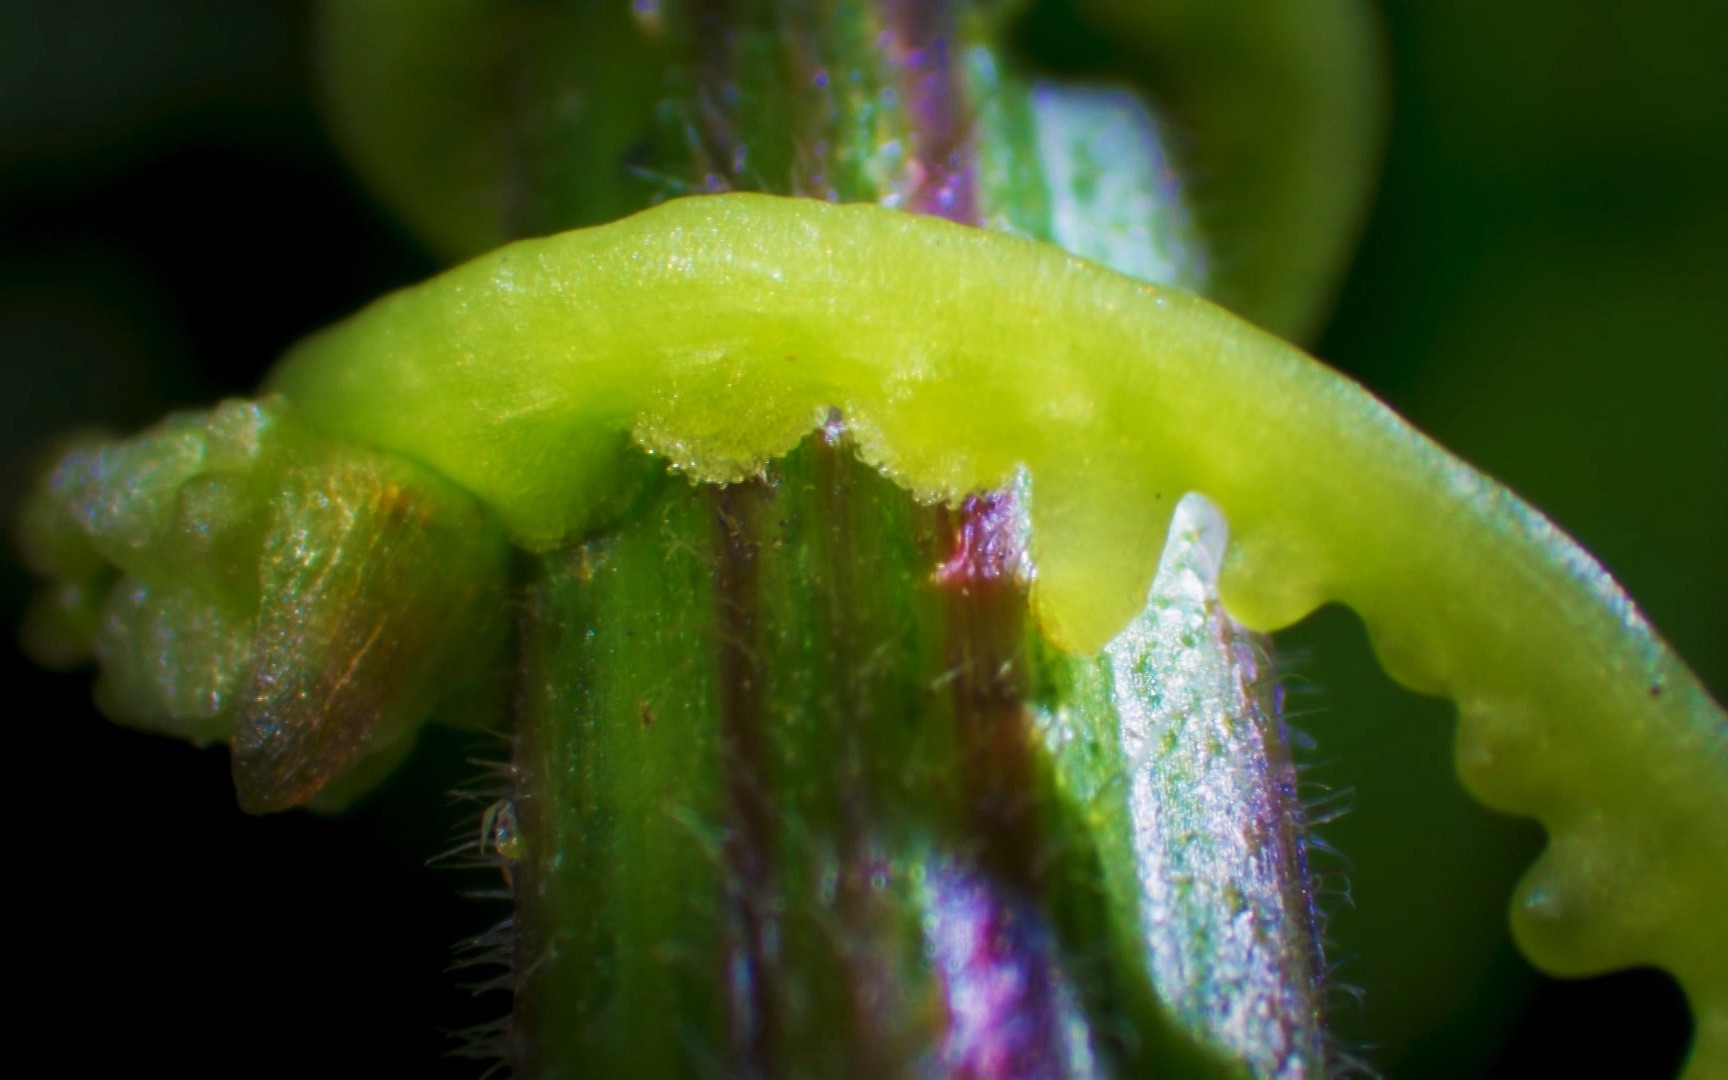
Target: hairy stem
(881, 758)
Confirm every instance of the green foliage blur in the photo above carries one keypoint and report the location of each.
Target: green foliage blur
(1541, 286)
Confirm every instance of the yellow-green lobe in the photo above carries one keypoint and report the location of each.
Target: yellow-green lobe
(718, 331)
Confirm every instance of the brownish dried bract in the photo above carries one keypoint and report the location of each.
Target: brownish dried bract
(374, 595)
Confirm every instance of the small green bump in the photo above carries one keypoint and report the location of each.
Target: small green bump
(238, 577)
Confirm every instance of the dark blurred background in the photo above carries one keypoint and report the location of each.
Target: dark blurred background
(1542, 286)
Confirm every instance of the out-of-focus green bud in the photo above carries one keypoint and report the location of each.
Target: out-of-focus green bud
(481, 121)
(1282, 110)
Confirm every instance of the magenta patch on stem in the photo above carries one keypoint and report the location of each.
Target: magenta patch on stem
(988, 540)
(943, 167)
(1008, 1009)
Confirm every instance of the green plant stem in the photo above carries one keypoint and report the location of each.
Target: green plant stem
(787, 748)
(757, 761)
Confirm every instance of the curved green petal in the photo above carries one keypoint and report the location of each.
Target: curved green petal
(718, 331)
